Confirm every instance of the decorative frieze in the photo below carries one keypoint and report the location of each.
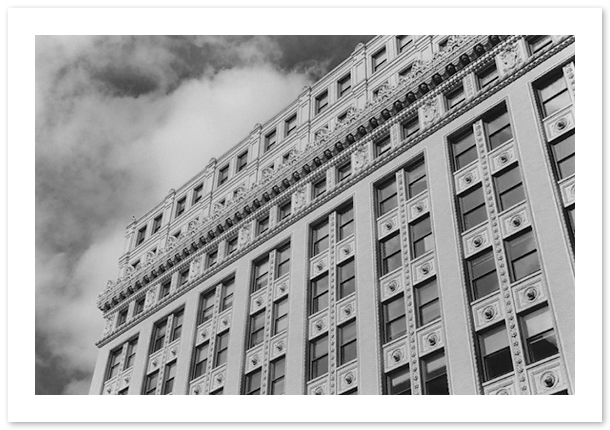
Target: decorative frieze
(224, 321)
(218, 378)
(281, 287)
(361, 157)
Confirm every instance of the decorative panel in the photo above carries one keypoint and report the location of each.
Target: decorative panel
(361, 157)
(559, 123)
(568, 190)
(318, 387)
(504, 387)
(124, 380)
(387, 224)
(418, 206)
(197, 386)
(502, 157)
(224, 321)
(346, 309)
(423, 268)
(254, 358)
(318, 324)
(487, 312)
(218, 377)
(258, 300)
(514, 220)
(529, 293)
(110, 387)
(301, 198)
(203, 333)
(391, 285)
(467, 177)
(172, 350)
(547, 377)
(281, 287)
(347, 377)
(395, 354)
(155, 361)
(319, 264)
(345, 249)
(476, 240)
(430, 338)
(278, 346)
(511, 57)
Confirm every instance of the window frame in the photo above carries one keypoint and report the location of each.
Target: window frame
(503, 189)
(199, 365)
(314, 360)
(455, 97)
(479, 259)
(402, 47)
(242, 161)
(393, 198)
(490, 70)
(315, 298)
(341, 88)
(275, 378)
(416, 240)
(420, 304)
(316, 241)
(270, 141)
(344, 171)
(346, 342)
(280, 318)
(168, 378)
(400, 371)
(509, 246)
(381, 53)
(157, 221)
(208, 299)
(197, 194)
(383, 260)
(392, 320)
(350, 280)
(316, 188)
(502, 353)
(536, 337)
(406, 129)
(383, 146)
(254, 330)
(322, 102)
(218, 353)
(141, 237)
(284, 210)
(465, 213)
(345, 224)
(427, 379)
(180, 207)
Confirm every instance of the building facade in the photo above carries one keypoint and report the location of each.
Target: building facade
(406, 226)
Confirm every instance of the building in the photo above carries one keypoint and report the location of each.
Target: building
(406, 226)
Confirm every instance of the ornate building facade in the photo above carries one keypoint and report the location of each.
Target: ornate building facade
(406, 226)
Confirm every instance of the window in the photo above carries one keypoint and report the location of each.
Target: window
(347, 279)
(495, 352)
(379, 59)
(321, 102)
(344, 171)
(346, 222)
(122, 318)
(398, 382)
(242, 161)
(206, 307)
(394, 320)
(318, 357)
(212, 259)
(253, 383)
(540, 340)
(498, 128)
(184, 277)
(150, 386)
(141, 235)
(421, 237)
(231, 245)
(410, 127)
(387, 197)
(442, 45)
(344, 85)
(341, 117)
(262, 225)
(222, 344)
(180, 206)
(139, 306)
(159, 335)
(509, 188)
(390, 254)
(257, 329)
(286, 158)
(319, 188)
(383, 146)
(228, 288)
(403, 43)
(114, 363)
(472, 208)
(455, 97)
(283, 261)
(270, 141)
(261, 274)
(200, 360)
(291, 125)
(416, 179)
(280, 316)
(285, 210)
(123, 392)
(427, 303)
(165, 288)
(538, 43)
(487, 76)
(223, 175)
(177, 322)
(571, 211)
(168, 376)
(464, 150)
(482, 275)
(131, 353)
(278, 373)
(157, 223)
(218, 392)
(435, 374)
(319, 294)
(564, 156)
(197, 193)
(319, 238)
(406, 71)
(522, 255)
(376, 90)
(347, 343)
(553, 93)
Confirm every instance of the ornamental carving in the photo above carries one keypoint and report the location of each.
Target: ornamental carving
(195, 267)
(267, 175)
(321, 136)
(217, 209)
(510, 58)
(361, 158)
(429, 111)
(239, 194)
(299, 198)
(193, 227)
(172, 241)
(107, 326)
(149, 258)
(244, 235)
(383, 93)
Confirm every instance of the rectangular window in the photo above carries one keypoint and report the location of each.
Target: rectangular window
(482, 275)
(564, 155)
(398, 382)
(410, 127)
(212, 259)
(497, 128)
(242, 161)
(464, 149)
(540, 340)
(347, 279)
(180, 207)
(159, 335)
(218, 392)
(222, 344)
(285, 210)
(319, 238)
(387, 196)
(257, 329)
(223, 175)
(157, 223)
(379, 59)
(488, 76)
(346, 222)
(139, 306)
(421, 237)
(553, 93)
(344, 85)
(168, 376)
(131, 353)
(141, 236)
(455, 97)
(416, 179)
(523, 256)
(383, 146)
(262, 225)
(261, 274)
(123, 392)
(283, 261)
(177, 322)
(114, 363)
(318, 357)
(200, 360)
(538, 43)
(495, 352)
(228, 288)
(321, 102)
(270, 141)
(435, 374)
(427, 303)
(150, 387)
(231, 245)
(442, 45)
(165, 288)
(472, 208)
(197, 193)
(280, 315)
(348, 350)
(391, 258)
(253, 383)
(319, 294)
(278, 374)
(122, 318)
(344, 171)
(184, 277)
(509, 188)
(406, 71)
(291, 125)
(403, 43)
(319, 188)
(394, 320)
(206, 307)
(571, 211)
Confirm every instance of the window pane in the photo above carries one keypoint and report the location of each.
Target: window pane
(538, 329)
(386, 196)
(464, 150)
(399, 381)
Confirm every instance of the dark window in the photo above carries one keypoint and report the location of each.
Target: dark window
(427, 303)
(564, 155)
(571, 211)
(262, 225)
(435, 374)
(538, 43)
(165, 288)
(122, 318)
(387, 198)
(498, 129)
(553, 93)
(278, 373)
(168, 376)
(540, 340)
(242, 161)
(222, 344)
(159, 335)
(318, 357)
(157, 223)
(253, 383)
(487, 76)
(291, 125)
(398, 382)
(177, 325)
(416, 179)
(212, 259)
(270, 141)
(382, 146)
(344, 171)
(141, 235)
(347, 279)
(509, 188)
(472, 208)
(285, 210)
(442, 45)
(379, 59)
(206, 307)
(180, 206)
(197, 193)
(482, 275)
(464, 150)
(280, 316)
(231, 245)
(261, 274)
(257, 329)
(200, 360)
(321, 102)
(123, 392)
(495, 352)
(403, 43)
(184, 277)
(228, 287)
(283, 261)
(421, 237)
(347, 343)
(319, 188)
(131, 353)
(410, 127)
(523, 256)
(218, 392)
(319, 238)
(114, 363)
(139, 307)
(346, 222)
(344, 85)
(394, 321)
(390, 253)
(319, 294)
(150, 387)
(455, 97)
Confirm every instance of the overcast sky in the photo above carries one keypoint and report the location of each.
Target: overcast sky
(120, 121)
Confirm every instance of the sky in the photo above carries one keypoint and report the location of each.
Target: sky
(120, 120)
